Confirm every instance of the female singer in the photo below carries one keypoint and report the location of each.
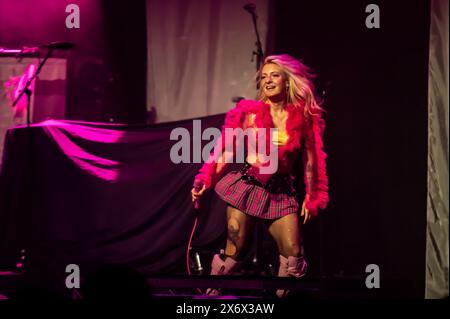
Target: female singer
(287, 103)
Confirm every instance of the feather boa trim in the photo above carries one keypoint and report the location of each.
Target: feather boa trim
(296, 128)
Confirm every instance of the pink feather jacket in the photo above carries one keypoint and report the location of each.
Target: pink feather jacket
(301, 131)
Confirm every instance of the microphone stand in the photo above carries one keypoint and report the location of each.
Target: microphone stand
(28, 167)
(251, 8)
(259, 53)
(27, 90)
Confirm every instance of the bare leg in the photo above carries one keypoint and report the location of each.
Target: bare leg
(239, 226)
(286, 232)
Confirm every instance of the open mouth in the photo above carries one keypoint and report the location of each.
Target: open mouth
(270, 87)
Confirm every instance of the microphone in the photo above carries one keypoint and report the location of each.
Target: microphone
(250, 8)
(198, 263)
(58, 45)
(237, 99)
(34, 51)
(198, 185)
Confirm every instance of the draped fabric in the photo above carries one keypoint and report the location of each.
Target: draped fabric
(437, 206)
(89, 194)
(200, 56)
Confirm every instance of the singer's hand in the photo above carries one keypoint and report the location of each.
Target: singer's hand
(197, 194)
(305, 212)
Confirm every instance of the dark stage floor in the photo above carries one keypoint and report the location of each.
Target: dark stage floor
(232, 287)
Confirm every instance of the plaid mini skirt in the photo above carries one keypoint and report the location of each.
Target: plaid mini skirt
(274, 199)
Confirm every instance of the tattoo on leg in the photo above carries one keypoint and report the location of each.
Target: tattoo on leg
(233, 237)
(309, 177)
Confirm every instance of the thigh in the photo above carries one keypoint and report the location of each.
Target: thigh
(239, 227)
(286, 232)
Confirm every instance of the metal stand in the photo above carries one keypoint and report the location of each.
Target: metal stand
(251, 8)
(27, 90)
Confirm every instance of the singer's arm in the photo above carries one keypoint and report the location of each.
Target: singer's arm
(315, 175)
(223, 153)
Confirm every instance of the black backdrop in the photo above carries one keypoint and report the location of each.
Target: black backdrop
(62, 213)
(376, 97)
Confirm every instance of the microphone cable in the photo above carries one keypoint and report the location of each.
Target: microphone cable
(188, 267)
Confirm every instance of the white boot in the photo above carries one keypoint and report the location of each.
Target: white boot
(221, 267)
(291, 267)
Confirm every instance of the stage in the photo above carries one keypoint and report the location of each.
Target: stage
(110, 112)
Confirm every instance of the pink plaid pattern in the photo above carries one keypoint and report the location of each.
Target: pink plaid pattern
(253, 199)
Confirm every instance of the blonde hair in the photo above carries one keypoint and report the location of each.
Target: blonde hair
(301, 88)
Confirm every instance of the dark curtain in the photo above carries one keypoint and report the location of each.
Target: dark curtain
(93, 194)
